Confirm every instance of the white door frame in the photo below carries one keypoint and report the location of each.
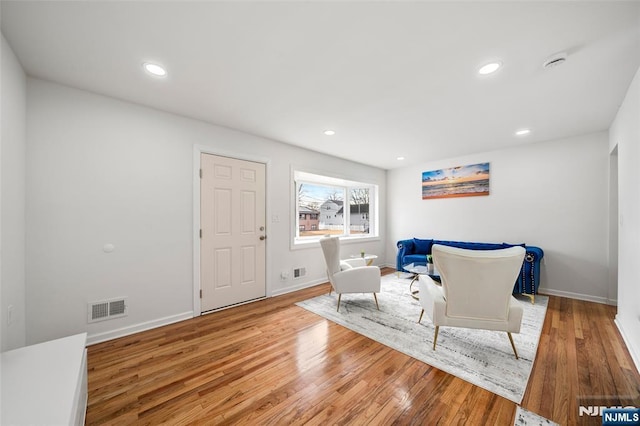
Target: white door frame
(203, 149)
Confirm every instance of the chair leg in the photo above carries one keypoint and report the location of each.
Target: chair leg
(531, 296)
(421, 314)
(513, 345)
(339, 296)
(376, 297)
(435, 337)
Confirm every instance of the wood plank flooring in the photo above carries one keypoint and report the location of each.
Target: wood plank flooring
(271, 362)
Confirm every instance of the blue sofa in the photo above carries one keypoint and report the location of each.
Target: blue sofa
(416, 250)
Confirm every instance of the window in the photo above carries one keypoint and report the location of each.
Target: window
(331, 206)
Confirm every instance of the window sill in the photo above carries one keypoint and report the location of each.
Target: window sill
(315, 242)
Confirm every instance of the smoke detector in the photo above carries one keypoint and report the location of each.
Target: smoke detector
(555, 60)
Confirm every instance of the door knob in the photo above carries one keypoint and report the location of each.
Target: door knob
(263, 237)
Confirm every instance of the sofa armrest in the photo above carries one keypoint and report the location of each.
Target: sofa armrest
(405, 247)
(530, 273)
(536, 251)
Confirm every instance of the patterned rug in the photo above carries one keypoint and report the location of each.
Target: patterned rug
(527, 418)
(483, 358)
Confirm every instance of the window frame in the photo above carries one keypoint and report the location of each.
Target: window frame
(345, 186)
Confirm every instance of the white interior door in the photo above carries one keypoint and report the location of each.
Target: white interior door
(232, 222)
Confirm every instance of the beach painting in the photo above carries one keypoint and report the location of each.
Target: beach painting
(461, 181)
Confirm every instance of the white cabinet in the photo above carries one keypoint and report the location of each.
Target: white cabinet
(45, 384)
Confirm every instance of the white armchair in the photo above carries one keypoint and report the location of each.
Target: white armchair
(349, 276)
(476, 290)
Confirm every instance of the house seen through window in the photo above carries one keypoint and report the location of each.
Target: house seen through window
(330, 206)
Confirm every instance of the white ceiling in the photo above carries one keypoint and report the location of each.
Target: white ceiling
(391, 78)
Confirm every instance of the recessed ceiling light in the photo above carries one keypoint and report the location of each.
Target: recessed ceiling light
(489, 68)
(523, 132)
(154, 69)
(400, 158)
(329, 132)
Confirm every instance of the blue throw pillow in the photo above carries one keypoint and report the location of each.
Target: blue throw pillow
(422, 246)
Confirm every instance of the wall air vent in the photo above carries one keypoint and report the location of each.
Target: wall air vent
(107, 309)
(299, 272)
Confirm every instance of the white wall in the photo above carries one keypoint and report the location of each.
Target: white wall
(103, 171)
(553, 195)
(12, 199)
(625, 134)
(613, 224)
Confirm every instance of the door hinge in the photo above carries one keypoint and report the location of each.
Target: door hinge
(200, 293)
(200, 173)
(201, 233)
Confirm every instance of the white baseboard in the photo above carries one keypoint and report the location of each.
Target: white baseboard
(634, 356)
(577, 296)
(92, 339)
(308, 284)
(297, 287)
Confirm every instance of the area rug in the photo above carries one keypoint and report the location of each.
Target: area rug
(527, 418)
(483, 358)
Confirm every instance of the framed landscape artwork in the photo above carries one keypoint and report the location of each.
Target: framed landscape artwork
(461, 181)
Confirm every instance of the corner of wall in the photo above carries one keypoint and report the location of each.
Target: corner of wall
(12, 200)
(625, 135)
(634, 352)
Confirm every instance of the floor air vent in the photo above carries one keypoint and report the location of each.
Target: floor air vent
(107, 309)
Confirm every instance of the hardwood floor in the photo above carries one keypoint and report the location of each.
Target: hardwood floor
(271, 362)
